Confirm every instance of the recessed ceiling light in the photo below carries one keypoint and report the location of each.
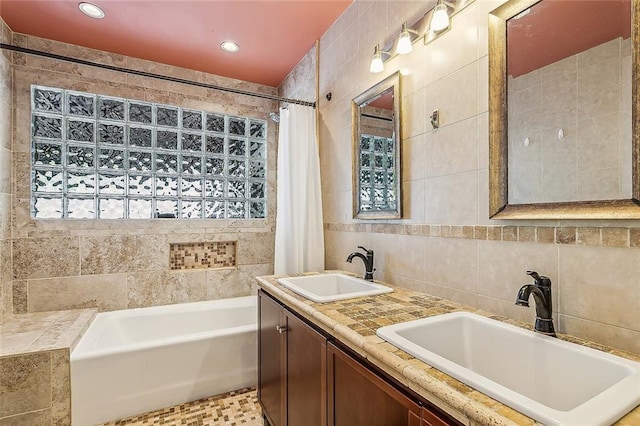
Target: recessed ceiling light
(230, 46)
(91, 10)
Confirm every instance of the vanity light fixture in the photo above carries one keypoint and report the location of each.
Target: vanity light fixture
(230, 46)
(431, 26)
(404, 40)
(376, 60)
(91, 10)
(440, 18)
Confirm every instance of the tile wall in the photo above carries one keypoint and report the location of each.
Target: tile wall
(34, 366)
(35, 389)
(301, 81)
(5, 174)
(445, 184)
(118, 264)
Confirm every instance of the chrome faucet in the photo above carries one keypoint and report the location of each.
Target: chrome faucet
(368, 262)
(541, 290)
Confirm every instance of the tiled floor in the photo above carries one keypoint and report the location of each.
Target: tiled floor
(231, 409)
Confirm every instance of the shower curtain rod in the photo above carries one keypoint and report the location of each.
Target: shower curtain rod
(377, 117)
(153, 75)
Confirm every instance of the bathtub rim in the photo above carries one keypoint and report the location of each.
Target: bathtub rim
(80, 353)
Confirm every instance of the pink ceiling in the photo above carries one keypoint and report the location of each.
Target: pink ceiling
(384, 102)
(273, 35)
(556, 29)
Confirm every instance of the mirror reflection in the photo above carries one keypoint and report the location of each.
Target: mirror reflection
(569, 100)
(376, 147)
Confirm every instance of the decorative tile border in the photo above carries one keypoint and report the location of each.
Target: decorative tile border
(584, 236)
(202, 255)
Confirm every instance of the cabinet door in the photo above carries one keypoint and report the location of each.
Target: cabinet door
(358, 397)
(306, 374)
(429, 418)
(271, 366)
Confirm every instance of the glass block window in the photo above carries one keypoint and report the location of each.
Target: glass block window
(99, 157)
(377, 173)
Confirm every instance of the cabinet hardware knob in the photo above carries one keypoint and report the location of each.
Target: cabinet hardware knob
(281, 329)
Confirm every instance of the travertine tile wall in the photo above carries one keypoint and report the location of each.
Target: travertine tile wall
(588, 97)
(5, 174)
(118, 264)
(301, 81)
(35, 389)
(374, 126)
(445, 175)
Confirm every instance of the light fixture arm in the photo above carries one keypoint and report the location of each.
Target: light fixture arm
(405, 28)
(377, 50)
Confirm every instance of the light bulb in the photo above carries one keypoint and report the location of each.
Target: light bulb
(376, 63)
(404, 41)
(440, 18)
(376, 60)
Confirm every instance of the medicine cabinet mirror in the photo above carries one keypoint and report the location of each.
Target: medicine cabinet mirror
(376, 151)
(563, 110)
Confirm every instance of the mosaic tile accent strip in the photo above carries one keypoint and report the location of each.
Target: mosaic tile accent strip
(202, 255)
(585, 236)
(231, 409)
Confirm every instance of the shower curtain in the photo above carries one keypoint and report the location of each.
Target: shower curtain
(299, 231)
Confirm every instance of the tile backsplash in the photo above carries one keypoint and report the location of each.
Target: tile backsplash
(209, 255)
(124, 263)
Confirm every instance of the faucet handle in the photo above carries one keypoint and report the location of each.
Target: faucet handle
(541, 280)
(365, 249)
(534, 274)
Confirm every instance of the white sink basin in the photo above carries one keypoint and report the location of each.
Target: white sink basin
(332, 287)
(551, 380)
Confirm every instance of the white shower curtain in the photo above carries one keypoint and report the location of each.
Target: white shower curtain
(299, 232)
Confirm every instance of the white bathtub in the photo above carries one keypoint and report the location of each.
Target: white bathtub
(139, 360)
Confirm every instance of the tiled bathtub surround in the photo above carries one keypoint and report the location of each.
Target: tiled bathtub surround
(446, 244)
(35, 387)
(119, 264)
(213, 255)
(129, 271)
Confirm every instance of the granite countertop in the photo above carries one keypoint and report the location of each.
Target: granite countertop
(354, 323)
(43, 331)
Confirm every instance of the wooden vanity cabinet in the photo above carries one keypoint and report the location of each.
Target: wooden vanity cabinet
(271, 361)
(292, 367)
(358, 397)
(306, 380)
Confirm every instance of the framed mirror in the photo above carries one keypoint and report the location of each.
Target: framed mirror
(376, 151)
(564, 139)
